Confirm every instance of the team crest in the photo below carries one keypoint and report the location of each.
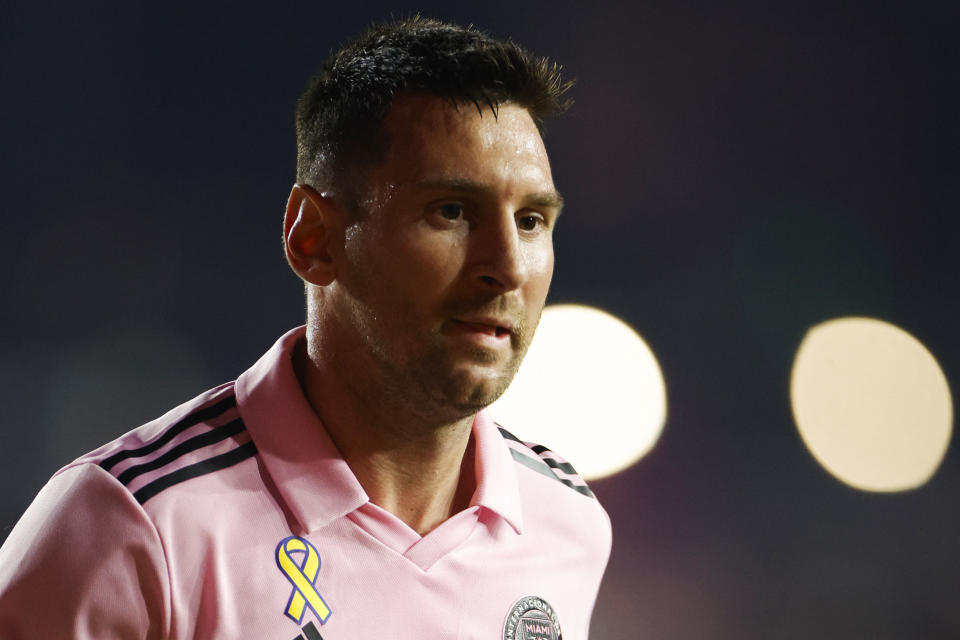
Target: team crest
(532, 618)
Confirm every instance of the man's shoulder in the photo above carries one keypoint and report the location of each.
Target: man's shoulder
(558, 505)
(91, 525)
(547, 463)
(197, 437)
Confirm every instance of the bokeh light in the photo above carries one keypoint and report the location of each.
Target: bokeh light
(871, 404)
(590, 389)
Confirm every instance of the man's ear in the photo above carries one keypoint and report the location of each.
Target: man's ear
(311, 227)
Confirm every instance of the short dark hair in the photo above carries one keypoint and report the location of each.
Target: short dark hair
(339, 114)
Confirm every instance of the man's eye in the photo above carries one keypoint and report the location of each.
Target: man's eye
(530, 221)
(452, 211)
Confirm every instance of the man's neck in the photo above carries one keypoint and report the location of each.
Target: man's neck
(420, 472)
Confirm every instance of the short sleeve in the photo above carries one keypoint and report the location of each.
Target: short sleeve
(84, 562)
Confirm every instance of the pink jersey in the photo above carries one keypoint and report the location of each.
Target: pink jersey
(234, 516)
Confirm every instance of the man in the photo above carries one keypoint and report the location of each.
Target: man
(349, 485)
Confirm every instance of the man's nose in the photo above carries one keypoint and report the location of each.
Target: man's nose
(498, 259)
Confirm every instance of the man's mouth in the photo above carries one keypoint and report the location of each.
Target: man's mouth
(490, 330)
(491, 327)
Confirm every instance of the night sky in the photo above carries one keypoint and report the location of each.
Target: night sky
(734, 174)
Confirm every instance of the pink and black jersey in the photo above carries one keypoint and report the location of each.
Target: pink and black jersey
(234, 516)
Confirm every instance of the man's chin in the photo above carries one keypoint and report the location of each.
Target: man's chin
(470, 392)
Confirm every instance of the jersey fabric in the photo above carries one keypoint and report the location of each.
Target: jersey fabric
(235, 516)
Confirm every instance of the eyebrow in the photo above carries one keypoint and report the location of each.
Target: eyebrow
(548, 199)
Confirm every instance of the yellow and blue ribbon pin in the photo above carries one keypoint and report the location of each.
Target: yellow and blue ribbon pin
(303, 577)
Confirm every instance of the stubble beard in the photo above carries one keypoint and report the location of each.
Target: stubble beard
(438, 387)
(460, 389)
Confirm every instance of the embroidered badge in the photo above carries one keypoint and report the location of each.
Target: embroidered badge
(303, 577)
(532, 618)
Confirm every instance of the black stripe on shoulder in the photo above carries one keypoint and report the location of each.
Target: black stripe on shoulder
(198, 416)
(543, 469)
(566, 467)
(544, 465)
(509, 436)
(197, 442)
(195, 470)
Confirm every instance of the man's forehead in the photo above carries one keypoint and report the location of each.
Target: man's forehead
(427, 129)
(429, 140)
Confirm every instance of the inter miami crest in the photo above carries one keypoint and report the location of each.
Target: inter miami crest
(531, 618)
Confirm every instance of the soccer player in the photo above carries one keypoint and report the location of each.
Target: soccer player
(349, 484)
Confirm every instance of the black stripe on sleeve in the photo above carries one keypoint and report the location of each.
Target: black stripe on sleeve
(563, 466)
(195, 470)
(543, 465)
(541, 468)
(201, 415)
(509, 436)
(197, 442)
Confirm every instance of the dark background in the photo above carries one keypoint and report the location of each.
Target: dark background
(734, 174)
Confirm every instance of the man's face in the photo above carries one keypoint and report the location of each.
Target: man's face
(444, 276)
